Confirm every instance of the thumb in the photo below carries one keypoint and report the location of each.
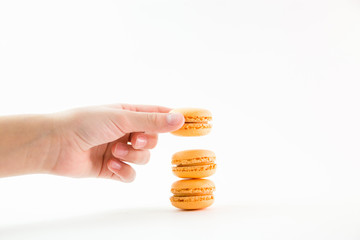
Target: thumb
(129, 121)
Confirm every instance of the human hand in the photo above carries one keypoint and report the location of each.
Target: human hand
(93, 142)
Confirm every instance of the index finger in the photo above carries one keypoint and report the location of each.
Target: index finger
(141, 108)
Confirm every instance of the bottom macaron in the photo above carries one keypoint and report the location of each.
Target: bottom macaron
(192, 194)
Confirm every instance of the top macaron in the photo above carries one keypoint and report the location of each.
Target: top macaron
(197, 122)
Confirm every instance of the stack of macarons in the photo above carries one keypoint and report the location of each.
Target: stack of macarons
(193, 192)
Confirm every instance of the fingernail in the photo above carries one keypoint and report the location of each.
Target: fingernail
(140, 141)
(121, 150)
(174, 118)
(115, 165)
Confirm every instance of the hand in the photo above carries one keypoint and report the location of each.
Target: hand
(93, 142)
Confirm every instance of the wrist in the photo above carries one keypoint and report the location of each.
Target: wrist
(27, 144)
(47, 146)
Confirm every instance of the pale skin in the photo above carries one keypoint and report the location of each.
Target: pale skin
(86, 142)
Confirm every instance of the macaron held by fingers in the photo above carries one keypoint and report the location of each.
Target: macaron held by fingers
(197, 122)
(192, 193)
(196, 163)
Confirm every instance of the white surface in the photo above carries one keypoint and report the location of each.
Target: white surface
(230, 222)
(281, 78)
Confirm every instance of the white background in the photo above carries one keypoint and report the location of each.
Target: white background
(282, 79)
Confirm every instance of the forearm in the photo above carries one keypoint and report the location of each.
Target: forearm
(26, 143)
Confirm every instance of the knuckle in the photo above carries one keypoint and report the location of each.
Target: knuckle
(153, 119)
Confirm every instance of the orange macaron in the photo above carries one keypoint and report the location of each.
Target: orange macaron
(192, 193)
(197, 163)
(197, 122)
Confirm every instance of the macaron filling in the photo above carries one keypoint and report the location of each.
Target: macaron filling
(192, 194)
(187, 126)
(197, 122)
(190, 119)
(195, 168)
(193, 191)
(193, 161)
(205, 166)
(192, 198)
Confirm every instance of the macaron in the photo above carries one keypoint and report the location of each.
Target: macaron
(197, 122)
(197, 163)
(192, 193)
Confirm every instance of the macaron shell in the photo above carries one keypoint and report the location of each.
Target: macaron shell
(192, 202)
(190, 184)
(192, 154)
(200, 171)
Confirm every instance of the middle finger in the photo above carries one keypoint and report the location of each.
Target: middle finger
(143, 140)
(127, 153)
